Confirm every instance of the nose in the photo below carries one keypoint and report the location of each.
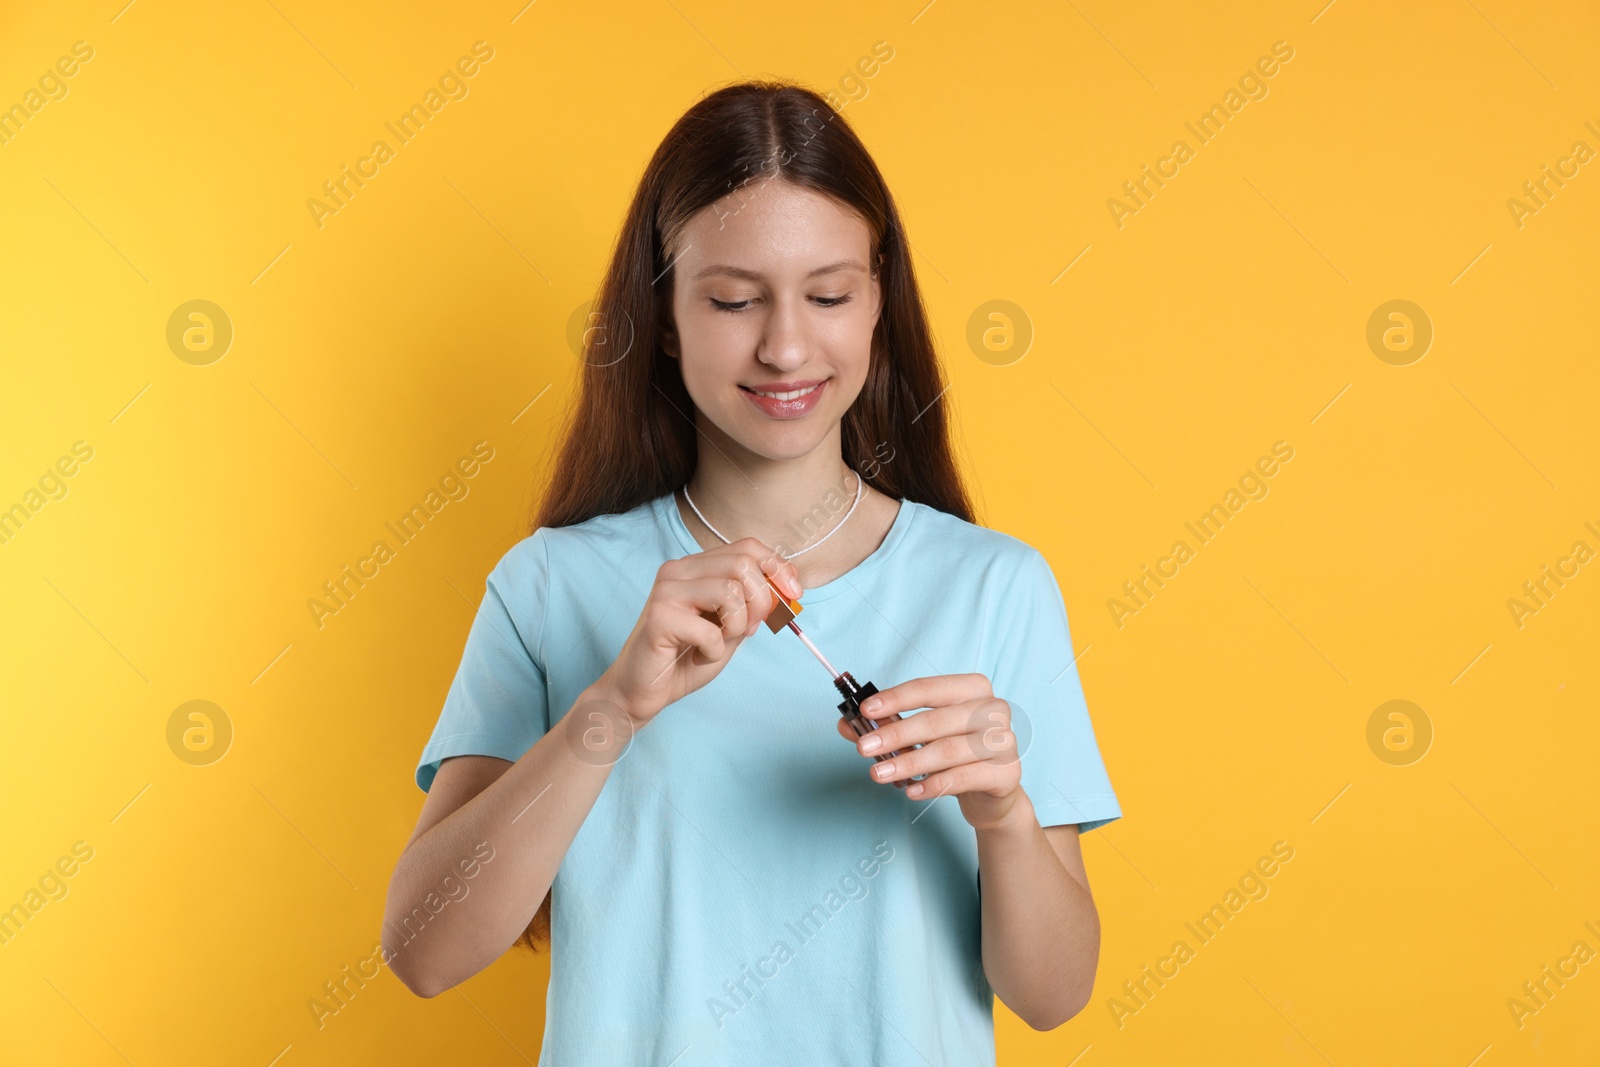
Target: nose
(785, 345)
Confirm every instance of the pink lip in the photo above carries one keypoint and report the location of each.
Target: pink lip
(787, 409)
(787, 387)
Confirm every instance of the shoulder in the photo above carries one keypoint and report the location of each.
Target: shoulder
(604, 537)
(956, 547)
(999, 587)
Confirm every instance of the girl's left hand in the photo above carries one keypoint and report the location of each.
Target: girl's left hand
(968, 747)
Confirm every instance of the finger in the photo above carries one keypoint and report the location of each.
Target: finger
(763, 568)
(968, 778)
(741, 567)
(719, 600)
(750, 559)
(770, 562)
(931, 758)
(931, 692)
(992, 735)
(844, 729)
(689, 632)
(920, 728)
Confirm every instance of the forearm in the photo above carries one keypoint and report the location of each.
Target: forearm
(529, 817)
(1041, 932)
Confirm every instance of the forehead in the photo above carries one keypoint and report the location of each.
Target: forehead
(773, 228)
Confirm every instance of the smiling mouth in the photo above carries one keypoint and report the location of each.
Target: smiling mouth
(788, 394)
(787, 404)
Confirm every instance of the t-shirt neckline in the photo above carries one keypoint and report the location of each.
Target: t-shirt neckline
(666, 510)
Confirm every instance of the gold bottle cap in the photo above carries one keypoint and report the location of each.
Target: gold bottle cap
(785, 610)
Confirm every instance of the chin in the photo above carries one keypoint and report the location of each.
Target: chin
(782, 446)
(780, 441)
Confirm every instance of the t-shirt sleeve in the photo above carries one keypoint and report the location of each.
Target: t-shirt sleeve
(1033, 670)
(498, 704)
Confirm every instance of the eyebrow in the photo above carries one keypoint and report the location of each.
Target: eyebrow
(756, 276)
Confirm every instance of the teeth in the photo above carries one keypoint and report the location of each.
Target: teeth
(792, 394)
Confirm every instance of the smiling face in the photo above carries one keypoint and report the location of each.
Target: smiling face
(772, 294)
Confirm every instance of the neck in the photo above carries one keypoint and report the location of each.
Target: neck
(786, 503)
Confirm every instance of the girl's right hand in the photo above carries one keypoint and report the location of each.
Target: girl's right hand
(699, 610)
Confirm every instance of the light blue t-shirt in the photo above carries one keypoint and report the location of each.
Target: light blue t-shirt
(742, 892)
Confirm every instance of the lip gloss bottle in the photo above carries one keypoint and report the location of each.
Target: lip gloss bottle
(850, 708)
(783, 614)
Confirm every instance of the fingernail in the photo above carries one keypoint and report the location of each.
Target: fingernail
(871, 705)
(884, 770)
(914, 789)
(871, 743)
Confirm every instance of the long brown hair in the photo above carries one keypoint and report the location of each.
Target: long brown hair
(630, 435)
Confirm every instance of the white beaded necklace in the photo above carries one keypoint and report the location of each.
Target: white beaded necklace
(791, 555)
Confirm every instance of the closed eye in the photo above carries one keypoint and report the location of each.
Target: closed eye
(744, 305)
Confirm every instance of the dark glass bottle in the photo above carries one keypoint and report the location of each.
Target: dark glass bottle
(850, 708)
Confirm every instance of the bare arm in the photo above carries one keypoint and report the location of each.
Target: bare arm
(527, 812)
(1041, 931)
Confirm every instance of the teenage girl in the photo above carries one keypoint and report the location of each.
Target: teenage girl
(632, 768)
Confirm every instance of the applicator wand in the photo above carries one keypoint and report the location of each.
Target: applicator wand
(853, 692)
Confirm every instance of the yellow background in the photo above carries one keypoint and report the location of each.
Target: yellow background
(1227, 314)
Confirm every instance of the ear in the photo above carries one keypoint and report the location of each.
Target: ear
(669, 336)
(877, 281)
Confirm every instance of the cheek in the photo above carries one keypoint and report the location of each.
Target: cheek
(848, 344)
(713, 352)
